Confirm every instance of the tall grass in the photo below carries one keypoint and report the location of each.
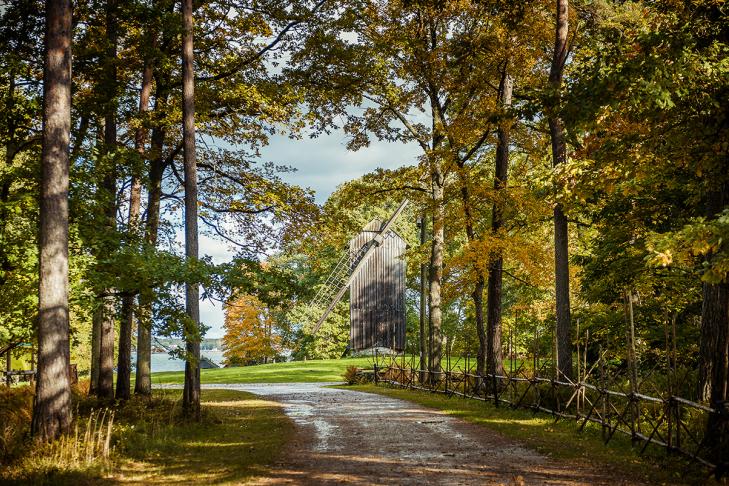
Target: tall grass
(16, 409)
(88, 449)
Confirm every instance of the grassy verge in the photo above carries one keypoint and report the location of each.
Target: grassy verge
(238, 438)
(560, 440)
(325, 370)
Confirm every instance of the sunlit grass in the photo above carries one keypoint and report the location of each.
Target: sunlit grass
(238, 438)
(326, 370)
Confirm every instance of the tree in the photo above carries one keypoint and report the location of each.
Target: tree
(240, 202)
(123, 386)
(243, 106)
(52, 406)
(561, 236)
(249, 332)
(191, 395)
(158, 162)
(496, 263)
(422, 302)
(666, 178)
(414, 46)
(105, 316)
(21, 66)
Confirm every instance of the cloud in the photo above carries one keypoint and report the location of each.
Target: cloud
(324, 162)
(321, 164)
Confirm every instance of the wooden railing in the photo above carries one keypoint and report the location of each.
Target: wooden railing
(681, 427)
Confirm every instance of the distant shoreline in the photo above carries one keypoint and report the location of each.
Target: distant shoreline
(165, 362)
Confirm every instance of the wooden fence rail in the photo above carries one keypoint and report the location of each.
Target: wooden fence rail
(670, 422)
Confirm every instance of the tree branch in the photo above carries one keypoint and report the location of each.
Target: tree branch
(519, 279)
(220, 233)
(387, 105)
(260, 53)
(398, 188)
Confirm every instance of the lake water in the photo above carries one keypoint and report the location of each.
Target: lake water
(165, 362)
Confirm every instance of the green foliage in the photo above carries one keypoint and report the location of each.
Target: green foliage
(699, 240)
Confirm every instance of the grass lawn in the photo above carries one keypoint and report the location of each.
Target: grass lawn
(325, 370)
(239, 438)
(559, 440)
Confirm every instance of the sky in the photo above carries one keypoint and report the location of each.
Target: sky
(321, 164)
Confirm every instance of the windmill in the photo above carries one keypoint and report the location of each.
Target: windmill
(374, 270)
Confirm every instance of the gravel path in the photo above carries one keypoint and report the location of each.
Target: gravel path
(350, 437)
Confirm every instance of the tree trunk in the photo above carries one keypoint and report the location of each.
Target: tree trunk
(714, 346)
(632, 357)
(106, 330)
(477, 294)
(435, 315)
(143, 381)
(123, 384)
(95, 346)
(559, 156)
(52, 403)
(714, 309)
(157, 164)
(707, 342)
(495, 359)
(423, 304)
(106, 349)
(124, 358)
(630, 340)
(191, 395)
(715, 330)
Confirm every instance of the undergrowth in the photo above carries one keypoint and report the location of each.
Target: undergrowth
(99, 430)
(352, 375)
(145, 440)
(16, 408)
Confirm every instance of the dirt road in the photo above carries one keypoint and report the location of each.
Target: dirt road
(350, 437)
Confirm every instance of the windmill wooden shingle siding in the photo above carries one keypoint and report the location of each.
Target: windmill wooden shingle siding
(377, 293)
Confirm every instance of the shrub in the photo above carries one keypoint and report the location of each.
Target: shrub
(352, 375)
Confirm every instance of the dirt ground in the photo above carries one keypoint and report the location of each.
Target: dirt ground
(355, 438)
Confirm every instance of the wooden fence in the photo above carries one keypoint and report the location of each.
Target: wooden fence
(676, 425)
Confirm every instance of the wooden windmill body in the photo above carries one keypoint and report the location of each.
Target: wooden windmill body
(373, 269)
(377, 292)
